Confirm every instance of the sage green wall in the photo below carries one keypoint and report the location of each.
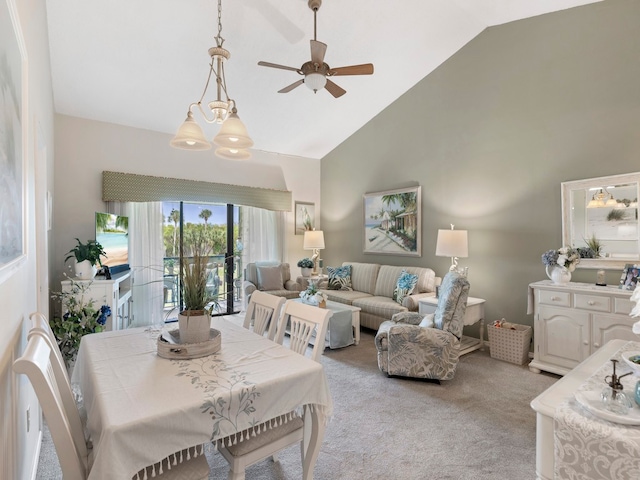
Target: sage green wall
(489, 136)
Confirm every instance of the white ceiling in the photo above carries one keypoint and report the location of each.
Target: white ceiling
(141, 63)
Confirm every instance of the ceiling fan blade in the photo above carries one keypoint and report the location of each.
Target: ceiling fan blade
(364, 69)
(318, 49)
(334, 89)
(292, 86)
(275, 65)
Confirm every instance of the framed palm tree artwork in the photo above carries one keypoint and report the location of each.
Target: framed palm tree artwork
(392, 222)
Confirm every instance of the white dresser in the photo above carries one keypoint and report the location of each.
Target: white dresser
(115, 292)
(572, 321)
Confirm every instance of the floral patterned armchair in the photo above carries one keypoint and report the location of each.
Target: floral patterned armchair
(414, 345)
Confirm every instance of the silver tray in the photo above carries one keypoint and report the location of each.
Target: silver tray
(169, 345)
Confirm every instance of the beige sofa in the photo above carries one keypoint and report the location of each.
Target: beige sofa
(373, 287)
(281, 286)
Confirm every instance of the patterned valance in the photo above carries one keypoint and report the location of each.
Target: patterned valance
(129, 187)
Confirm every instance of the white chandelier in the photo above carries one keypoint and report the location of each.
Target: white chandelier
(233, 139)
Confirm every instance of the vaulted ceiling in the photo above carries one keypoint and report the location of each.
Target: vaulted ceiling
(141, 63)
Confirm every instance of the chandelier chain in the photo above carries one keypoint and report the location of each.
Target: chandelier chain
(219, 39)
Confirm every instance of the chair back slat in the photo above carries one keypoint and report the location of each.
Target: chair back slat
(40, 326)
(263, 312)
(303, 320)
(36, 364)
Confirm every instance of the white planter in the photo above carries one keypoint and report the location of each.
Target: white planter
(306, 272)
(194, 326)
(84, 270)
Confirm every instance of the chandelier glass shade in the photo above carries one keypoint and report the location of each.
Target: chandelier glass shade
(602, 198)
(233, 134)
(190, 136)
(315, 81)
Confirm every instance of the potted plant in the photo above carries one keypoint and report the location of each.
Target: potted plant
(80, 318)
(313, 296)
(306, 264)
(195, 320)
(87, 256)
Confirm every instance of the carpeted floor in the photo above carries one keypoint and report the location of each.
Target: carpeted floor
(477, 426)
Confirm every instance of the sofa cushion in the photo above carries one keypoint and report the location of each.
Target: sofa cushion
(344, 296)
(251, 270)
(339, 278)
(389, 274)
(383, 307)
(270, 278)
(404, 286)
(364, 276)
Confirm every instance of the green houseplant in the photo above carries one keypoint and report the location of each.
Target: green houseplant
(87, 256)
(194, 321)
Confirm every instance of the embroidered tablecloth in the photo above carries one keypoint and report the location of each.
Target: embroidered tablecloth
(142, 408)
(588, 447)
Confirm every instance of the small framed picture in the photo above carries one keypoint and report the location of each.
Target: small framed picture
(629, 278)
(304, 217)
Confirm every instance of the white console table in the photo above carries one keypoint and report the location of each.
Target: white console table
(572, 321)
(474, 313)
(546, 403)
(116, 293)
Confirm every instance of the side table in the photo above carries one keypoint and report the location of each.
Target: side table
(474, 313)
(305, 281)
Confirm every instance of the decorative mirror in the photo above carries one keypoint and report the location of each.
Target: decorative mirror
(602, 214)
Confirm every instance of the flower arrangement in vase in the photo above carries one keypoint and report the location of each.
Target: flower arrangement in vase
(306, 265)
(560, 263)
(313, 296)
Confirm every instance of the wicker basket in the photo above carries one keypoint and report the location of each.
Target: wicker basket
(510, 345)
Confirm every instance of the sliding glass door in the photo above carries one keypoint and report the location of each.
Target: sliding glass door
(216, 225)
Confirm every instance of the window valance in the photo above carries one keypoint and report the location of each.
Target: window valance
(129, 187)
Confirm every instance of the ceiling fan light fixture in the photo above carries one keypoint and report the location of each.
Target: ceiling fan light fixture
(233, 133)
(315, 81)
(190, 136)
(233, 153)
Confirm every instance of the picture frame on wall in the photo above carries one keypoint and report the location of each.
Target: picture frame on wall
(13, 88)
(305, 217)
(392, 222)
(629, 278)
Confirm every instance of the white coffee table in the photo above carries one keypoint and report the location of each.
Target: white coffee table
(355, 316)
(474, 313)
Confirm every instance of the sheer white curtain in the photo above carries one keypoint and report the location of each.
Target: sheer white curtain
(146, 260)
(262, 235)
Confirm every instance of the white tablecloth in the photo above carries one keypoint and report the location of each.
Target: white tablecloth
(587, 447)
(142, 408)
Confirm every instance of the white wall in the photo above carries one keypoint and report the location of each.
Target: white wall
(19, 293)
(85, 148)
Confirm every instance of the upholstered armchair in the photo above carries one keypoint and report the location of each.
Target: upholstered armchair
(270, 277)
(414, 345)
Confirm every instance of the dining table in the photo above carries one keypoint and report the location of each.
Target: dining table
(142, 408)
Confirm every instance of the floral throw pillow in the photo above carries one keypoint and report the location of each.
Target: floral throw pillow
(339, 278)
(404, 286)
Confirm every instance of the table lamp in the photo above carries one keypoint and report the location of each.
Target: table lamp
(452, 243)
(314, 240)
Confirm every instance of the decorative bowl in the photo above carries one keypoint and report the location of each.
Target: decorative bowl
(628, 359)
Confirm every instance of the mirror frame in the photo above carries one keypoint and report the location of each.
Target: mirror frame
(618, 262)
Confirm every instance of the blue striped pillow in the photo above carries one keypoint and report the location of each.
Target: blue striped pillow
(340, 278)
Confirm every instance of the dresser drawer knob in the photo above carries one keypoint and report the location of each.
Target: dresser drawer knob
(585, 343)
(597, 345)
(591, 302)
(555, 299)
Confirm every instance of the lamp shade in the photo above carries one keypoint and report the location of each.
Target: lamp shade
(313, 239)
(452, 243)
(315, 81)
(233, 153)
(233, 133)
(190, 136)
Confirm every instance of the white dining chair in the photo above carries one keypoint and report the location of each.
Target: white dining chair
(40, 327)
(36, 363)
(263, 313)
(303, 320)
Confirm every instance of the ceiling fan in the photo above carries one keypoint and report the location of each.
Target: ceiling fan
(316, 72)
